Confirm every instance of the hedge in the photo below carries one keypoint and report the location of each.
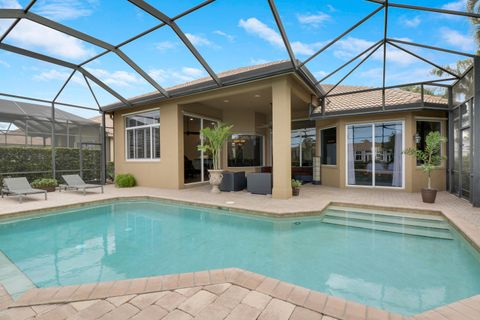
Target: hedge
(38, 160)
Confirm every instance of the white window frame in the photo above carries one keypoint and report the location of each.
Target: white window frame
(151, 126)
(373, 154)
(263, 149)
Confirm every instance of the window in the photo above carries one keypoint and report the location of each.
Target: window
(245, 151)
(329, 146)
(143, 136)
(423, 129)
(303, 147)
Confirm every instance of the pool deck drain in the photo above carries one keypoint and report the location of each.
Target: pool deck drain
(231, 294)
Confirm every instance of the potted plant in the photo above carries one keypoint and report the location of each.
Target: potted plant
(213, 141)
(296, 184)
(430, 158)
(48, 185)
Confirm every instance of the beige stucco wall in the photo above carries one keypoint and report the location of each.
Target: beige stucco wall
(166, 172)
(415, 179)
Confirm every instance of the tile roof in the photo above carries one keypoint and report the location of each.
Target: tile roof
(220, 75)
(373, 99)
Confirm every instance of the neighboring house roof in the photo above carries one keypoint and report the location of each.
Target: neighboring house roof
(373, 99)
(108, 123)
(10, 109)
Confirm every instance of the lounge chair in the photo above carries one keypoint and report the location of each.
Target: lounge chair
(19, 187)
(73, 181)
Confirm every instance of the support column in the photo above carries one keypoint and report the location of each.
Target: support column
(281, 139)
(475, 139)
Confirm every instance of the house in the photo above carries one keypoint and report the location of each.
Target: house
(280, 124)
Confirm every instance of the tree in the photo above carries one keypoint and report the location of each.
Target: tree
(474, 7)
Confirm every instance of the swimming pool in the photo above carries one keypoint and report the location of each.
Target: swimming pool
(393, 270)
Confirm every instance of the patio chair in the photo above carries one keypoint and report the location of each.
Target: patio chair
(19, 187)
(259, 183)
(74, 182)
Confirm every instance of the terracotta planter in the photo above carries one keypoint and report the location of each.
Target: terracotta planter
(429, 195)
(295, 191)
(216, 177)
(48, 189)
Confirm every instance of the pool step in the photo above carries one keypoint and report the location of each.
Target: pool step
(422, 226)
(13, 279)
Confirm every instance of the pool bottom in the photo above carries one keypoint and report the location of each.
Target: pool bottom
(136, 239)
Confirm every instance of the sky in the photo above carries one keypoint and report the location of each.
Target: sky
(229, 34)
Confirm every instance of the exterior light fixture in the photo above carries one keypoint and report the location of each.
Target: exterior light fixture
(417, 138)
(226, 101)
(257, 96)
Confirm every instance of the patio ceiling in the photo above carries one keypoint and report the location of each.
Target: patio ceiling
(170, 22)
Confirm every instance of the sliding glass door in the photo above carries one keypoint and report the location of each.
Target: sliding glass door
(374, 154)
(462, 157)
(196, 163)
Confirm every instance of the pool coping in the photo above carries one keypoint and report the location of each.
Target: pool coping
(465, 230)
(316, 301)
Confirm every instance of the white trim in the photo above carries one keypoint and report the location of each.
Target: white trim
(142, 111)
(372, 124)
(421, 118)
(195, 115)
(150, 126)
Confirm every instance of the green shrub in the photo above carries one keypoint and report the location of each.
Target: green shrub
(43, 183)
(125, 180)
(111, 170)
(36, 162)
(296, 183)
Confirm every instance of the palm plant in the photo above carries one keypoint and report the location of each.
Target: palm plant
(474, 7)
(213, 141)
(430, 157)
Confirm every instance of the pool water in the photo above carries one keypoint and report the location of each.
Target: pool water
(401, 273)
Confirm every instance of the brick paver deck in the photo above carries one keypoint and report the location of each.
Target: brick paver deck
(231, 294)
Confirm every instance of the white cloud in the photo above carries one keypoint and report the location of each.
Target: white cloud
(10, 4)
(198, 40)
(54, 74)
(411, 23)
(119, 77)
(31, 35)
(455, 38)
(314, 20)
(5, 64)
(331, 8)
(320, 74)
(59, 10)
(261, 30)
(258, 61)
(224, 34)
(170, 76)
(165, 45)
(459, 5)
(350, 47)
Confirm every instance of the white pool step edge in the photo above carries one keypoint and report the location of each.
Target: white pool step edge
(407, 221)
(400, 229)
(12, 278)
(390, 213)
